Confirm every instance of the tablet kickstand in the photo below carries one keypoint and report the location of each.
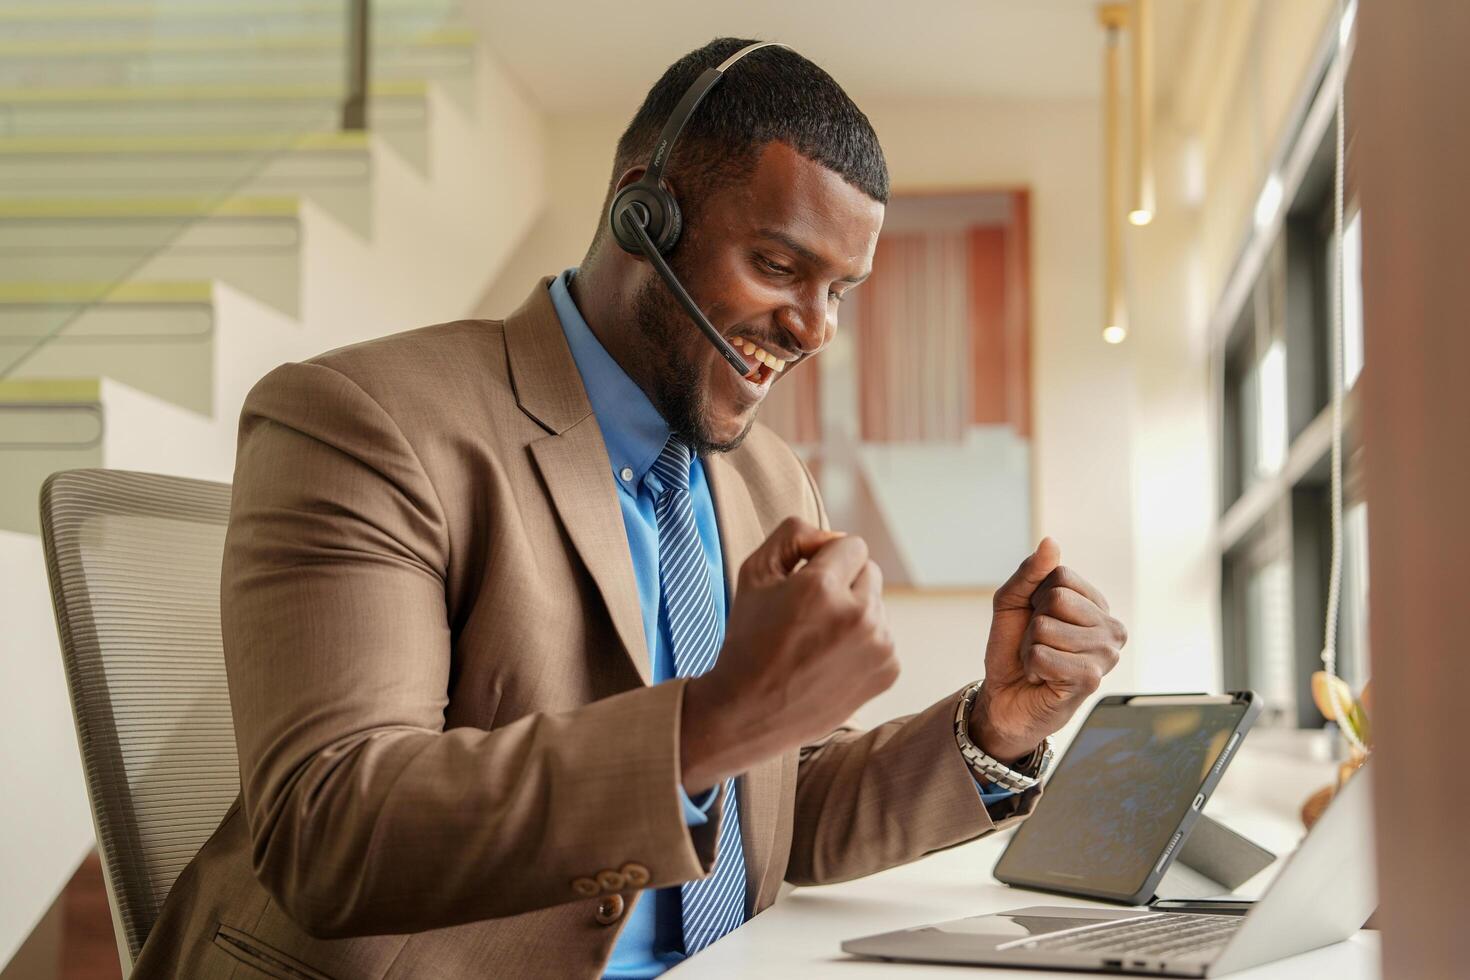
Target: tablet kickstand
(1213, 861)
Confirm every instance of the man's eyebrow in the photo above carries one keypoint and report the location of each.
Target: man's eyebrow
(804, 251)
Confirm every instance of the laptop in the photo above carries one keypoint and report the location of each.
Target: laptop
(1323, 894)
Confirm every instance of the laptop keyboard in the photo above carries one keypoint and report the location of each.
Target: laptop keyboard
(1168, 934)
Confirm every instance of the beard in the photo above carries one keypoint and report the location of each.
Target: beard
(678, 394)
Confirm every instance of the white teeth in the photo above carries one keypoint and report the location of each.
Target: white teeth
(751, 349)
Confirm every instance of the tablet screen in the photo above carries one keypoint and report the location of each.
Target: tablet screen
(1123, 788)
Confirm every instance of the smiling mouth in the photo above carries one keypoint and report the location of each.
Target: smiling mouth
(767, 363)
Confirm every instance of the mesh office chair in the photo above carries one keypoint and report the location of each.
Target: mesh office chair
(134, 565)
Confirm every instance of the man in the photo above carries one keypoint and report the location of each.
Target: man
(540, 648)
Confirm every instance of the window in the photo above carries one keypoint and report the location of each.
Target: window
(1268, 638)
(1352, 630)
(1275, 438)
(1352, 300)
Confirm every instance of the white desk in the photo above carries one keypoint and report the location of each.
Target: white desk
(800, 935)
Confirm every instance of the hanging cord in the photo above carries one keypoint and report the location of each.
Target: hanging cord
(1342, 708)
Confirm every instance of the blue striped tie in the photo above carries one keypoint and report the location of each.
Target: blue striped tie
(715, 905)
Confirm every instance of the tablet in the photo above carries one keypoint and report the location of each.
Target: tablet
(1126, 794)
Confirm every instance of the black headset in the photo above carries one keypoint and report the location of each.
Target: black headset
(645, 216)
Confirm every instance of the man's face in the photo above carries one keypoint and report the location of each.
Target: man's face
(767, 260)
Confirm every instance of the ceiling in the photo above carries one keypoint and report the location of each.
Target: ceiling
(580, 55)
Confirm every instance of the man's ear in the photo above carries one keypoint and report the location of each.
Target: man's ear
(634, 174)
(631, 175)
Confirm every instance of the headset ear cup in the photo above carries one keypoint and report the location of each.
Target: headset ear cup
(675, 222)
(664, 220)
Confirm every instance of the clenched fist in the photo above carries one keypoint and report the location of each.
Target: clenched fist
(1051, 642)
(806, 644)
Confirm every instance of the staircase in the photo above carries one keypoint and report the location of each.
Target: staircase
(180, 212)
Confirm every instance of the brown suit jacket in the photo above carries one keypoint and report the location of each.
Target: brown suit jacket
(452, 761)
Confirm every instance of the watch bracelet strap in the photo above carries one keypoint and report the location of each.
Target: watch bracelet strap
(1026, 774)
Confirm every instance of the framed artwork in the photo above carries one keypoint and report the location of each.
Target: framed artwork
(916, 421)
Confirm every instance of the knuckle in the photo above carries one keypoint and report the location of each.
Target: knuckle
(1065, 603)
(1119, 631)
(821, 582)
(877, 574)
(1043, 629)
(1045, 664)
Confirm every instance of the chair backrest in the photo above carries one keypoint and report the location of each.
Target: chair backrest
(134, 565)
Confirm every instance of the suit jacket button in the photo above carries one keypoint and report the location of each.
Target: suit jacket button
(610, 909)
(585, 887)
(635, 874)
(611, 881)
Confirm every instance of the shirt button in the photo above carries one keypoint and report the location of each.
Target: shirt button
(626, 473)
(609, 910)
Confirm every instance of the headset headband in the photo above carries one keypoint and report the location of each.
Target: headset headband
(689, 103)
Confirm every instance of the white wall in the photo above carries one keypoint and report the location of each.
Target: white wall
(1122, 461)
(1175, 497)
(45, 826)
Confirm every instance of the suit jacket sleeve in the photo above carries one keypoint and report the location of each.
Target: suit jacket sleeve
(870, 800)
(367, 816)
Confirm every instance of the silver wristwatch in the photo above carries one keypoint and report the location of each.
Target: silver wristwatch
(1031, 769)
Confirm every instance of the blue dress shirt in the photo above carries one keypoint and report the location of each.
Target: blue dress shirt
(634, 432)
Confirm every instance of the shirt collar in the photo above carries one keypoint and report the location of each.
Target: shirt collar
(633, 430)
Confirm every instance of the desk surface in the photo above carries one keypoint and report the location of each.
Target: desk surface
(800, 935)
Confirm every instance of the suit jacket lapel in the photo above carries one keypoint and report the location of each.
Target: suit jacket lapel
(574, 463)
(761, 787)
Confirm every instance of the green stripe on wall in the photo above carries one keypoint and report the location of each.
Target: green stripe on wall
(148, 207)
(194, 10)
(191, 292)
(51, 47)
(51, 390)
(326, 91)
(185, 143)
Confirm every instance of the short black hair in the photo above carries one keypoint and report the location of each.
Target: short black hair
(771, 94)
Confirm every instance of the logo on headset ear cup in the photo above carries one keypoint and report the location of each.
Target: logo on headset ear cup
(664, 220)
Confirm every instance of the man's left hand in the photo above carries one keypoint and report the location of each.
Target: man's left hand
(1051, 642)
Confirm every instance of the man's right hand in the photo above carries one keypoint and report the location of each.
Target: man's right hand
(804, 648)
